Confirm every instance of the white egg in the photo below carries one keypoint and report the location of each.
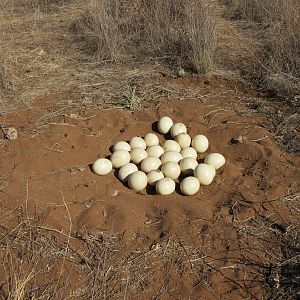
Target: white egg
(126, 170)
(137, 181)
(189, 186)
(178, 128)
(102, 166)
(216, 160)
(183, 139)
(121, 146)
(120, 158)
(137, 155)
(188, 165)
(189, 152)
(170, 145)
(171, 170)
(150, 163)
(137, 142)
(154, 176)
(156, 151)
(200, 143)
(165, 186)
(205, 173)
(151, 139)
(164, 125)
(171, 156)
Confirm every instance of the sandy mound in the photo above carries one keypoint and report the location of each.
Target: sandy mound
(48, 173)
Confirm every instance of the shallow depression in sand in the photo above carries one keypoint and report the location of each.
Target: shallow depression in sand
(58, 163)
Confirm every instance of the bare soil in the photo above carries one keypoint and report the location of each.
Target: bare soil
(157, 247)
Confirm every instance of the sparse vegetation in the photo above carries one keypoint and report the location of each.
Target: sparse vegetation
(181, 31)
(41, 267)
(106, 53)
(8, 85)
(275, 261)
(275, 25)
(258, 39)
(27, 6)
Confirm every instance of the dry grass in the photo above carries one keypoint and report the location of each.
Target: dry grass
(100, 27)
(285, 124)
(183, 32)
(31, 256)
(275, 24)
(271, 256)
(43, 263)
(26, 6)
(8, 85)
(259, 39)
(7, 78)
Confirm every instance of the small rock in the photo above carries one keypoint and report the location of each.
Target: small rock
(237, 140)
(41, 52)
(179, 72)
(11, 133)
(88, 204)
(74, 116)
(115, 193)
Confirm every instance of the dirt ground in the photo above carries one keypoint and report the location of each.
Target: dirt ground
(66, 233)
(196, 245)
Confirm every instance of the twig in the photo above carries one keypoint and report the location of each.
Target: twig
(93, 84)
(257, 140)
(181, 245)
(26, 201)
(54, 230)
(52, 149)
(68, 242)
(61, 124)
(216, 110)
(126, 288)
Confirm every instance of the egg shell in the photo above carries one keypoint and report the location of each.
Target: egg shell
(164, 125)
(156, 151)
(216, 160)
(102, 166)
(137, 142)
(137, 181)
(151, 139)
(205, 173)
(137, 155)
(178, 128)
(189, 186)
(121, 146)
(154, 176)
(183, 139)
(165, 186)
(171, 156)
(120, 158)
(171, 170)
(126, 170)
(200, 143)
(189, 152)
(150, 163)
(170, 145)
(188, 165)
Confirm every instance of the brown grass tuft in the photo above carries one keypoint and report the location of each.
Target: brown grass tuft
(27, 5)
(7, 78)
(275, 25)
(271, 256)
(184, 32)
(258, 39)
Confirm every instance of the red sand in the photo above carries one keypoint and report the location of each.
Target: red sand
(43, 168)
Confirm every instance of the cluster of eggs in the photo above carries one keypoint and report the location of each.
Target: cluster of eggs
(143, 161)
